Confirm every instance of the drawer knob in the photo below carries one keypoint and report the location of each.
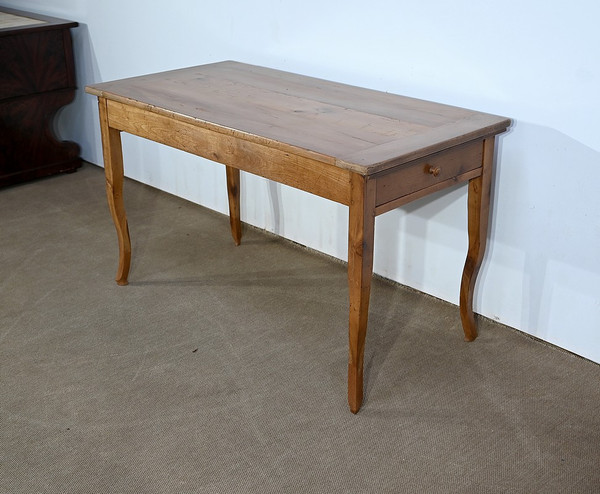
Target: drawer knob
(434, 170)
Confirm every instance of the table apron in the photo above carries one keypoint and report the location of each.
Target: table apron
(308, 174)
(394, 188)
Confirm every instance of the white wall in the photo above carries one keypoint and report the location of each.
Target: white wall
(535, 61)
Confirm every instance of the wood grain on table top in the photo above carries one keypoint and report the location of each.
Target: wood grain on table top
(363, 130)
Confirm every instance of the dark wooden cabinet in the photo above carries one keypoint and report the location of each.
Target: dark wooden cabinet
(37, 78)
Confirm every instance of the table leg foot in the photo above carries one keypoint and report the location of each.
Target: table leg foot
(233, 194)
(355, 388)
(478, 211)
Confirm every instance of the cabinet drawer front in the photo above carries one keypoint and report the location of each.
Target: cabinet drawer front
(429, 172)
(33, 63)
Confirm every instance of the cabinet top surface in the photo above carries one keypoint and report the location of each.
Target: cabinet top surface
(363, 130)
(12, 21)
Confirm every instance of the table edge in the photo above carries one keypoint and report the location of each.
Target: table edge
(351, 163)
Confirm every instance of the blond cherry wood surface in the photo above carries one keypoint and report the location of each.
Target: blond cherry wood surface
(369, 150)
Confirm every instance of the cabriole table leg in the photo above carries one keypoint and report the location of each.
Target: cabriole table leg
(113, 170)
(478, 211)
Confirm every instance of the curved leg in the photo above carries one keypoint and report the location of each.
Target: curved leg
(233, 194)
(478, 211)
(113, 169)
(360, 272)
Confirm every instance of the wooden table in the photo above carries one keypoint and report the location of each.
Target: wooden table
(369, 150)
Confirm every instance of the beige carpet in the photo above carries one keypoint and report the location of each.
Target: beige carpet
(222, 369)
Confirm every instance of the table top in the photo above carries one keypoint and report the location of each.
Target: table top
(363, 130)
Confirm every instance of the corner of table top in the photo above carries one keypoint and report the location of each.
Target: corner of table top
(91, 89)
(391, 154)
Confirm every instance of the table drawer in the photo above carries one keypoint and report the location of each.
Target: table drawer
(447, 165)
